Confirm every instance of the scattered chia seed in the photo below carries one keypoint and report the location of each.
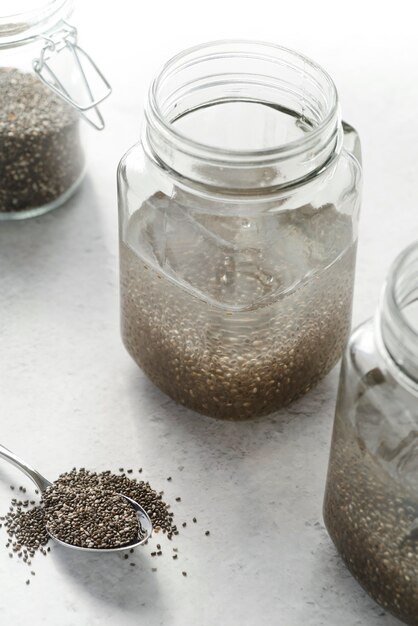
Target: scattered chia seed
(207, 533)
(184, 573)
(40, 151)
(194, 520)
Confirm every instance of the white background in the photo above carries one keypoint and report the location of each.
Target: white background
(70, 395)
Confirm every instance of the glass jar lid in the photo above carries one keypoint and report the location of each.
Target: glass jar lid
(21, 21)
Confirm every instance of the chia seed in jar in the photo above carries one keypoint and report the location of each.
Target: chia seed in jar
(41, 156)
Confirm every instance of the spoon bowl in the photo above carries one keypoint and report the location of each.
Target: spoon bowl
(144, 522)
(144, 531)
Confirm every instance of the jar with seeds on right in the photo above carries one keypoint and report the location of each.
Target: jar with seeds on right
(238, 229)
(371, 500)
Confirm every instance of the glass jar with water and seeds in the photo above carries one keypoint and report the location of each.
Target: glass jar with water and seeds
(238, 229)
(371, 500)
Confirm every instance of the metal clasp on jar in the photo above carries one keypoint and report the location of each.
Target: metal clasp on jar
(91, 82)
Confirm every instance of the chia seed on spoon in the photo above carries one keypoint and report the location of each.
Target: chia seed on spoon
(83, 508)
(86, 509)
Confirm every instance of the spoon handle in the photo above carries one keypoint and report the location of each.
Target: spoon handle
(37, 478)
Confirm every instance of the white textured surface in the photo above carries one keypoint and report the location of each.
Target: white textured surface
(70, 395)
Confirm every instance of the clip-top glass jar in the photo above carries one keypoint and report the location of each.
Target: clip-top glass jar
(371, 501)
(46, 83)
(238, 229)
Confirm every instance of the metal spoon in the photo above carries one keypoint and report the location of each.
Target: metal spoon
(144, 522)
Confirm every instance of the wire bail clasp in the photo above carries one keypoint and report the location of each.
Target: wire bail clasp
(88, 89)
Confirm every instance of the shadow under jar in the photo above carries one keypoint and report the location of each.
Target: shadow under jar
(238, 227)
(371, 499)
(43, 92)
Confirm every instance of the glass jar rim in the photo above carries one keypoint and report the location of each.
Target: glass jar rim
(245, 48)
(21, 28)
(392, 296)
(399, 334)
